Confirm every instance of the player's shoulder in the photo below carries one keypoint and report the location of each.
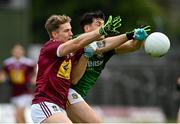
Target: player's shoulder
(27, 61)
(51, 44)
(9, 60)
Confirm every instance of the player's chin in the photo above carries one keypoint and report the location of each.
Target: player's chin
(70, 38)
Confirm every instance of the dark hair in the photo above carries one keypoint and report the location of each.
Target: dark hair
(88, 17)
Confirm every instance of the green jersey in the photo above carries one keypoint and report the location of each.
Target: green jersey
(94, 68)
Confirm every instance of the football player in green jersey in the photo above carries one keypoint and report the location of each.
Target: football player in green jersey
(78, 110)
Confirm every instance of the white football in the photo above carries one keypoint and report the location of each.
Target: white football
(157, 44)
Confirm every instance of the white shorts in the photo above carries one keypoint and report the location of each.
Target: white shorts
(74, 97)
(43, 110)
(24, 100)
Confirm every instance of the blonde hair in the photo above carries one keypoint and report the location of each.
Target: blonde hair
(54, 21)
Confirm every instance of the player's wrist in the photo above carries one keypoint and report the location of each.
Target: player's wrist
(88, 52)
(102, 31)
(129, 35)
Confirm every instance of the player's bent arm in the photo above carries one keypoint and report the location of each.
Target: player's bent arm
(77, 43)
(3, 76)
(129, 46)
(34, 75)
(112, 42)
(79, 69)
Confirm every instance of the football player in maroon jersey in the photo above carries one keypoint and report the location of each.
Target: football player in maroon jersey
(19, 71)
(56, 60)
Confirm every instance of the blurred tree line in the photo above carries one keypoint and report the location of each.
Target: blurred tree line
(134, 13)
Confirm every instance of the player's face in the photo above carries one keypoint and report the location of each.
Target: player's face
(97, 22)
(64, 32)
(18, 51)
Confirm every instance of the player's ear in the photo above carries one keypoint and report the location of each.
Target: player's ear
(86, 28)
(54, 34)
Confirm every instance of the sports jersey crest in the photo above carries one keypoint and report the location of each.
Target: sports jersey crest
(65, 69)
(17, 76)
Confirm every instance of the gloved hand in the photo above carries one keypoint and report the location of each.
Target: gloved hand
(111, 26)
(139, 34)
(90, 50)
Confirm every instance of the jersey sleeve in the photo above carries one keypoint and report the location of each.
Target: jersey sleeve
(4, 67)
(51, 49)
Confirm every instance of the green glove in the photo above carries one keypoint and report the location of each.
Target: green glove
(139, 33)
(111, 26)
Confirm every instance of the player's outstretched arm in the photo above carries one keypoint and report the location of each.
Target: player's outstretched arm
(111, 43)
(120, 42)
(135, 40)
(129, 46)
(86, 38)
(79, 42)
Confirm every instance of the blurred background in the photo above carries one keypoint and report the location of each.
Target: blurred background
(130, 83)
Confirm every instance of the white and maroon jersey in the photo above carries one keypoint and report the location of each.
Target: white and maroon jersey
(53, 78)
(19, 72)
